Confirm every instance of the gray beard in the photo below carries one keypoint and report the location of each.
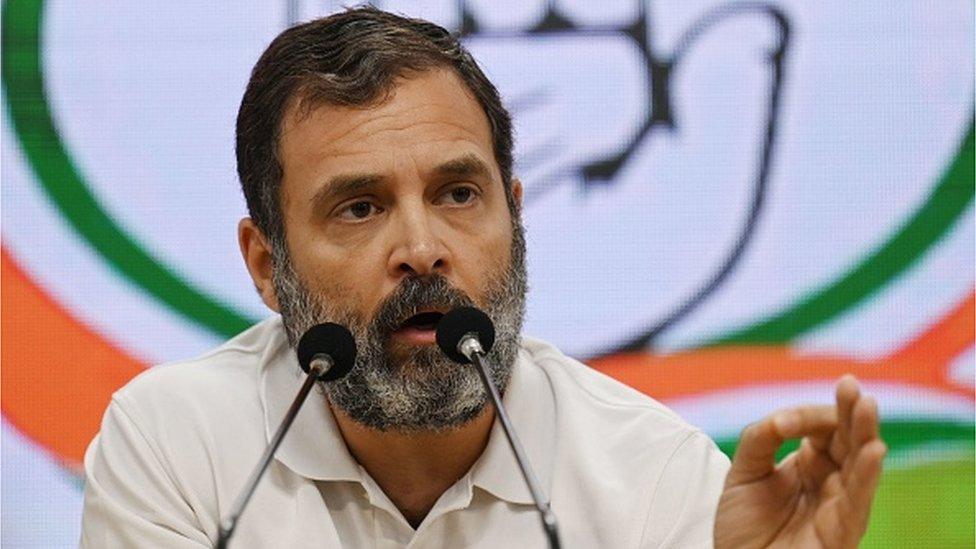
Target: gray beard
(420, 389)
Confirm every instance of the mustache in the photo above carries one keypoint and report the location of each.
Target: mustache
(414, 294)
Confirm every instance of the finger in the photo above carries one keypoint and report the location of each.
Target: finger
(864, 429)
(814, 465)
(805, 421)
(823, 442)
(834, 520)
(754, 458)
(833, 487)
(863, 483)
(847, 394)
(830, 521)
(828, 445)
(864, 426)
(838, 448)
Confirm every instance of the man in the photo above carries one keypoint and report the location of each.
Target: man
(376, 160)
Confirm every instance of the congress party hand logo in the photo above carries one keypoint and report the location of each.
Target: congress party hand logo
(645, 155)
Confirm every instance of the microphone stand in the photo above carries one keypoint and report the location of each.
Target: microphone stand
(470, 347)
(319, 366)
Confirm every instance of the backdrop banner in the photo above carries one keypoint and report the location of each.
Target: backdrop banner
(728, 205)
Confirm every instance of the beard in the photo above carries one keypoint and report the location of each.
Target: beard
(394, 387)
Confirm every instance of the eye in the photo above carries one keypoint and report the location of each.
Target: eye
(358, 210)
(460, 195)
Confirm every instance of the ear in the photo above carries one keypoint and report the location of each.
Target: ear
(256, 251)
(517, 193)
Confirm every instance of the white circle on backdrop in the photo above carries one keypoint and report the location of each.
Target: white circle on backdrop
(145, 96)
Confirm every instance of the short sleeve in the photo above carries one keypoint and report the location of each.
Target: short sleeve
(682, 512)
(130, 497)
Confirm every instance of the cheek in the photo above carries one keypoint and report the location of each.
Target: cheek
(344, 272)
(488, 257)
(347, 277)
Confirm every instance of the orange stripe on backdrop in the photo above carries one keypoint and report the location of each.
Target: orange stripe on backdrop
(59, 403)
(944, 340)
(923, 363)
(55, 398)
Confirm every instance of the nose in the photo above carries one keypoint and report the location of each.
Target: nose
(418, 250)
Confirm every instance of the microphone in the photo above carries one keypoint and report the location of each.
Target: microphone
(465, 335)
(326, 352)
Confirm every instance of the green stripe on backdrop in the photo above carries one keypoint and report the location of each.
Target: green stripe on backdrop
(926, 227)
(23, 80)
(898, 435)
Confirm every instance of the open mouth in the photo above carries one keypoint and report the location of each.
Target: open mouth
(423, 321)
(419, 328)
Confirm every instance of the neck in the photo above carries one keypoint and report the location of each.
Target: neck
(414, 468)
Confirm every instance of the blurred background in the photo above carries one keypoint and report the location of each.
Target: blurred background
(728, 205)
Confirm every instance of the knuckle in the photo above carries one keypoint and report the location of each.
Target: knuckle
(754, 430)
(751, 428)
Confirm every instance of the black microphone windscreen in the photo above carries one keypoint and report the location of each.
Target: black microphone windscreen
(330, 339)
(458, 323)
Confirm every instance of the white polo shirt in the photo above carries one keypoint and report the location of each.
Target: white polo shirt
(178, 442)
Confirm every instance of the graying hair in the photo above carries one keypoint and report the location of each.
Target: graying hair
(431, 392)
(351, 58)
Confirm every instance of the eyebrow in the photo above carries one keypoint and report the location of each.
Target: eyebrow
(468, 165)
(345, 185)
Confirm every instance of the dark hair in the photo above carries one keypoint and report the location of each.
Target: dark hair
(350, 58)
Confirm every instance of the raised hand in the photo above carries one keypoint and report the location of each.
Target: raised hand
(818, 496)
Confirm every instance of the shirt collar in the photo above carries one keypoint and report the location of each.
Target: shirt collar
(314, 447)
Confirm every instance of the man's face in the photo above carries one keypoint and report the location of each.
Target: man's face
(395, 213)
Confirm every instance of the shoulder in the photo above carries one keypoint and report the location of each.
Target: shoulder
(624, 457)
(597, 392)
(225, 376)
(189, 409)
(591, 404)
(171, 438)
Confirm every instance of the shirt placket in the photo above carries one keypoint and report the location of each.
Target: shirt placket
(431, 530)
(390, 529)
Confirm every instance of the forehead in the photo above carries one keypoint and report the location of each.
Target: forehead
(429, 118)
